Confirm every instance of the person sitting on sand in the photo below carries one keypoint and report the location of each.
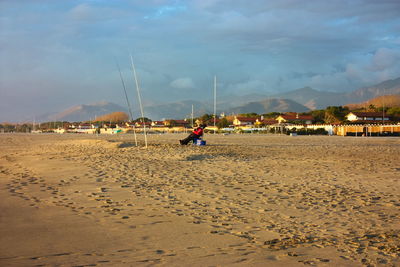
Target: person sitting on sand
(196, 134)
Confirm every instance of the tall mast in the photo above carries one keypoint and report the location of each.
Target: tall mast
(124, 87)
(215, 100)
(127, 100)
(140, 101)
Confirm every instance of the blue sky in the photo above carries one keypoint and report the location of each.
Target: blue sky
(56, 54)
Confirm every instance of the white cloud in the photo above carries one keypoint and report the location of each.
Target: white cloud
(247, 87)
(96, 12)
(182, 83)
(81, 12)
(384, 59)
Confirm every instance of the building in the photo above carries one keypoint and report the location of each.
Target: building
(140, 124)
(173, 123)
(157, 124)
(245, 121)
(294, 118)
(267, 121)
(367, 117)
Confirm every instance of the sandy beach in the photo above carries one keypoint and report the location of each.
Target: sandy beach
(242, 200)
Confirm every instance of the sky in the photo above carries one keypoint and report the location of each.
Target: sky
(55, 54)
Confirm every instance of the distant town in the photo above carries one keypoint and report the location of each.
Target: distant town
(335, 120)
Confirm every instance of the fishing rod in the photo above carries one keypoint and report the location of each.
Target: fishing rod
(126, 94)
(127, 100)
(140, 100)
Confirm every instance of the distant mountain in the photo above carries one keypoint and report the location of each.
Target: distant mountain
(389, 87)
(230, 101)
(270, 105)
(183, 109)
(314, 99)
(177, 110)
(83, 112)
(386, 100)
(299, 100)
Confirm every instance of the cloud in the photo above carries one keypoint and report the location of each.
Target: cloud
(65, 49)
(81, 12)
(385, 59)
(183, 83)
(246, 87)
(363, 70)
(96, 11)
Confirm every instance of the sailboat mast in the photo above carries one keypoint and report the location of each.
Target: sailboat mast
(140, 101)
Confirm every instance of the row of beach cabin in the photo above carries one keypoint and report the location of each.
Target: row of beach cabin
(363, 124)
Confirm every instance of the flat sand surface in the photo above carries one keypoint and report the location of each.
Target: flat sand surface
(242, 200)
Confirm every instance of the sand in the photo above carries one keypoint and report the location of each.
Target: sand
(242, 200)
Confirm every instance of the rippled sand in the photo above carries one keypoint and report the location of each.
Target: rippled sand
(245, 200)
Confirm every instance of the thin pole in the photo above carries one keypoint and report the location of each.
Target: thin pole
(215, 100)
(192, 115)
(383, 106)
(124, 87)
(127, 101)
(140, 101)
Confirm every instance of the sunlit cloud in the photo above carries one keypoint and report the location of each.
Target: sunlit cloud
(183, 83)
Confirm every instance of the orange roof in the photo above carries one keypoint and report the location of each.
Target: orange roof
(177, 121)
(297, 117)
(158, 123)
(369, 114)
(141, 123)
(248, 119)
(181, 121)
(269, 121)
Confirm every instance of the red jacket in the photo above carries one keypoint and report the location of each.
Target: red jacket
(198, 131)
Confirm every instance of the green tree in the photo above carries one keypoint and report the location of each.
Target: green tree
(335, 114)
(394, 111)
(249, 115)
(207, 118)
(223, 123)
(140, 119)
(372, 107)
(172, 123)
(271, 115)
(318, 115)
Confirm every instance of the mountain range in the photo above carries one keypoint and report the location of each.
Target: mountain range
(312, 98)
(389, 87)
(270, 105)
(388, 101)
(83, 112)
(299, 100)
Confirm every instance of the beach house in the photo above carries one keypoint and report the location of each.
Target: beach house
(157, 124)
(368, 117)
(244, 121)
(176, 123)
(294, 118)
